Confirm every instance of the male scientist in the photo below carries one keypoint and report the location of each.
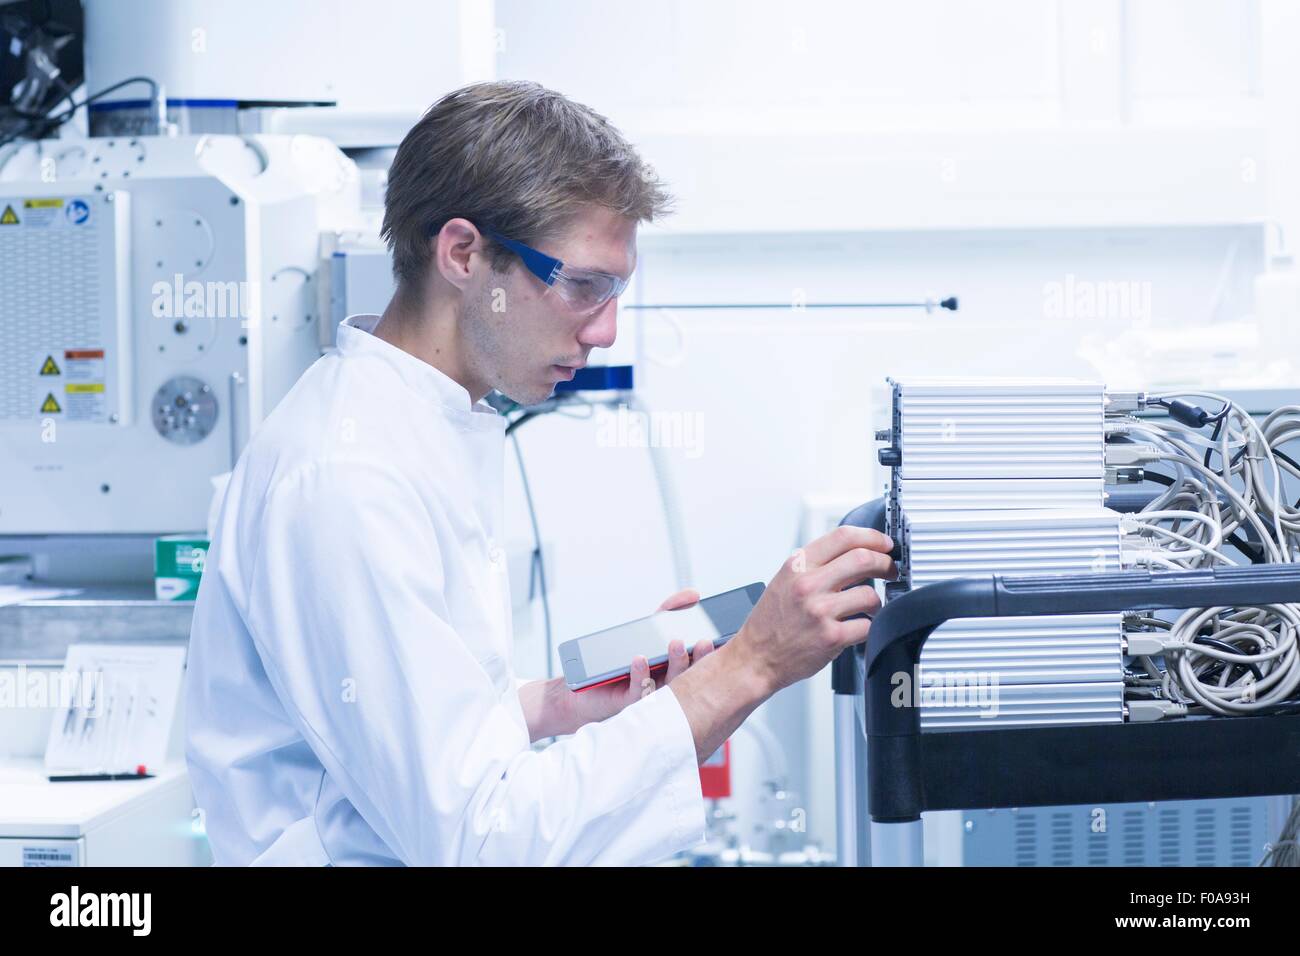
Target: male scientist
(351, 698)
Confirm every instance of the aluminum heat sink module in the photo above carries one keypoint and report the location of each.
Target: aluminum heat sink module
(997, 428)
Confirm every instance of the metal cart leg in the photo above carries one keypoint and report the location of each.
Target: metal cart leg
(897, 844)
(853, 845)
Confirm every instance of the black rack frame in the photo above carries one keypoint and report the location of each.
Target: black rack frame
(909, 772)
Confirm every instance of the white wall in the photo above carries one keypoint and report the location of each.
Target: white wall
(868, 151)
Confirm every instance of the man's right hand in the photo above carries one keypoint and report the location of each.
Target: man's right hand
(799, 624)
(796, 629)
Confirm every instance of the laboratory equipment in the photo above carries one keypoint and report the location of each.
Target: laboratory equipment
(1002, 654)
(165, 296)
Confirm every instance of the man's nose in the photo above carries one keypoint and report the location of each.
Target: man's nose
(600, 330)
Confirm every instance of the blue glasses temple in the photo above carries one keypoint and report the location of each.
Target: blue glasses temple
(539, 264)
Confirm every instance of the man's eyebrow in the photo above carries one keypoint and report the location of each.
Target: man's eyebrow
(606, 271)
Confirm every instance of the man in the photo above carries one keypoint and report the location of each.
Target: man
(350, 692)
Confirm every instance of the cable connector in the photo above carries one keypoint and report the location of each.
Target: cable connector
(1142, 556)
(1131, 525)
(1117, 403)
(1144, 645)
(1125, 456)
(1145, 711)
(1125, 476)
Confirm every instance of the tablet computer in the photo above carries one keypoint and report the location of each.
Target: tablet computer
(606, 656)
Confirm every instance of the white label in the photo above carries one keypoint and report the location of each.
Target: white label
(84, 393)
(46, 212)
(70, 384)
(49, 856)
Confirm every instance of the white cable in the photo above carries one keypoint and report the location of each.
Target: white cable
(1196, 546)
(1273, 627)
(1252, 663)
(1249, 421)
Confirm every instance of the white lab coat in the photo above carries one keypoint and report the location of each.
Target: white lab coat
(350, 695)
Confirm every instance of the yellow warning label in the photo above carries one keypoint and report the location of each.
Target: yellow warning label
(50, 405)
(84, 388)
(49, 368)
(9, 217)
(42, 203)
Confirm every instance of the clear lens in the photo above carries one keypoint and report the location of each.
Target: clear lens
(587, 291)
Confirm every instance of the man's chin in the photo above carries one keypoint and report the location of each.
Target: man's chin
(533, 395)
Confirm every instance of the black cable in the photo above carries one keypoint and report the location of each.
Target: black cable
(1230, 649)
(1188, 414)
(1276, 454)
(1286, 458)
(1255, 555)
(59, 119)
(525, 417)
(1218, 427)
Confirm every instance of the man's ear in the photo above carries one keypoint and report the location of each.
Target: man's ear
(454, 250)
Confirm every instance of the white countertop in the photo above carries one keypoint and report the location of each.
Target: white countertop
(32, 806)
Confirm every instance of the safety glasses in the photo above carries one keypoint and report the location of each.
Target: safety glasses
(584, 290)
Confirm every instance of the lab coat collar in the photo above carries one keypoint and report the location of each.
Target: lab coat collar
(355, 337)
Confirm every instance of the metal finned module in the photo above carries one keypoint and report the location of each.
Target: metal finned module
(1029, 650)
(1024, 671)
(1011, 671)
(915, 495)
(997, 428)
(1007, 476)
(951, 707)
(942, 545)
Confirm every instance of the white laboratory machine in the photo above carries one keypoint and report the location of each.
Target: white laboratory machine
(163, 297)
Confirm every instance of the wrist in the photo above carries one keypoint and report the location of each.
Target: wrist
(561, 715)
(756, 679)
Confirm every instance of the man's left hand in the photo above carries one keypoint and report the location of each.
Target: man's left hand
(598, 703)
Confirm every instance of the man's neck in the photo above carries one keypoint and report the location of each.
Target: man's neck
(430, 333)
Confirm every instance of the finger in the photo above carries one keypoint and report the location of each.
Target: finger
(853, 632)
(851, 601)
(639, 680)
(683, 598)
(855, 566)
(678, 660)
(845, 538)
(701, 649)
